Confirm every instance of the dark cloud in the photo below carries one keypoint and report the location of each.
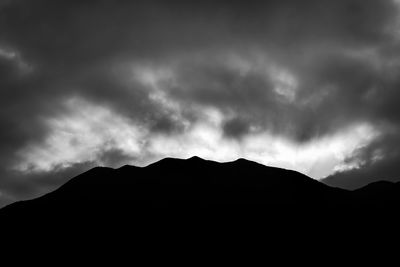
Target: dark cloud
(236, 127)
(380, 162)
(343, 56)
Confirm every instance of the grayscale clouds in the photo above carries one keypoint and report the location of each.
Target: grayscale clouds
(310, 85)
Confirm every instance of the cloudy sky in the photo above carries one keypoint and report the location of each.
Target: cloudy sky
(309, 85)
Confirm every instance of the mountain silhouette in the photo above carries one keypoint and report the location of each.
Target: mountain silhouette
(195, 183)
(193, 206)
(202, 194)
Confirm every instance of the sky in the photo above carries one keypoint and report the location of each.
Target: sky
(309, 85)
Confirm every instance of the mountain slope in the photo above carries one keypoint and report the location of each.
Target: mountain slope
(197, 186)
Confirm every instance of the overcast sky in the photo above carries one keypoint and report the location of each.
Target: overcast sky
(309, 85)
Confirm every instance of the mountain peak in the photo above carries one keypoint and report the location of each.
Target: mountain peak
(242, 160)
(195, 158)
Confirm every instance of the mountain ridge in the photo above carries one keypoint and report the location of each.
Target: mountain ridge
(197, 199)
(196, 184)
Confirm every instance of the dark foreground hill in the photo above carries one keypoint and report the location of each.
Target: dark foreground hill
(204, 204)
(195, 186)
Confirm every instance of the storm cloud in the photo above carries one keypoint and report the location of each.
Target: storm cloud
(309, 85)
